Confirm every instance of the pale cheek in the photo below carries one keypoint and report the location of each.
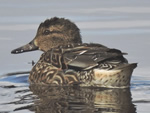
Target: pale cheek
(36, 42)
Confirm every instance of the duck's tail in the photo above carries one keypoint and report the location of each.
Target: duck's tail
(116, 78)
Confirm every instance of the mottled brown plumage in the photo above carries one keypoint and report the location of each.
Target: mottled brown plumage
(68, 61)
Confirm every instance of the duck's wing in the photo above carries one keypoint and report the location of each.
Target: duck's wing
(83, 56)
(88, 56)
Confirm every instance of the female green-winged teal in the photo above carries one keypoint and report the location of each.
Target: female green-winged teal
(68, 61)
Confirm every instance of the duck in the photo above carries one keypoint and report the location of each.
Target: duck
(67, 61)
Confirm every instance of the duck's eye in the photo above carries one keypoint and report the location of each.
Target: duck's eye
(46, 32)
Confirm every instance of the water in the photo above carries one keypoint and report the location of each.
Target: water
(118, 24)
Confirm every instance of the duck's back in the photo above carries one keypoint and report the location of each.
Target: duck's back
(83, 56)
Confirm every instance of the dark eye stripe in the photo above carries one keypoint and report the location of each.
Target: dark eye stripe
(46, 32)
(55, 32)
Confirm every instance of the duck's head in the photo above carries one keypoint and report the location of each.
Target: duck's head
(52, 33)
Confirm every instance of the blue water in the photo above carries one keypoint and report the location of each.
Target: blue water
(117, 24)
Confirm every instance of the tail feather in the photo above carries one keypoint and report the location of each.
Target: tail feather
(129, 66)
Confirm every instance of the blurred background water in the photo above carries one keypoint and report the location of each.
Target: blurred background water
(122, 24)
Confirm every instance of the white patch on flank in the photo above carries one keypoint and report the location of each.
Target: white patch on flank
(105, 72)
(101, 76)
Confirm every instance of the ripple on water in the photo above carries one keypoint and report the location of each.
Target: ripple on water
(140, 89)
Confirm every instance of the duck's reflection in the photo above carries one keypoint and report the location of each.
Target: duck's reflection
(81, 100)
